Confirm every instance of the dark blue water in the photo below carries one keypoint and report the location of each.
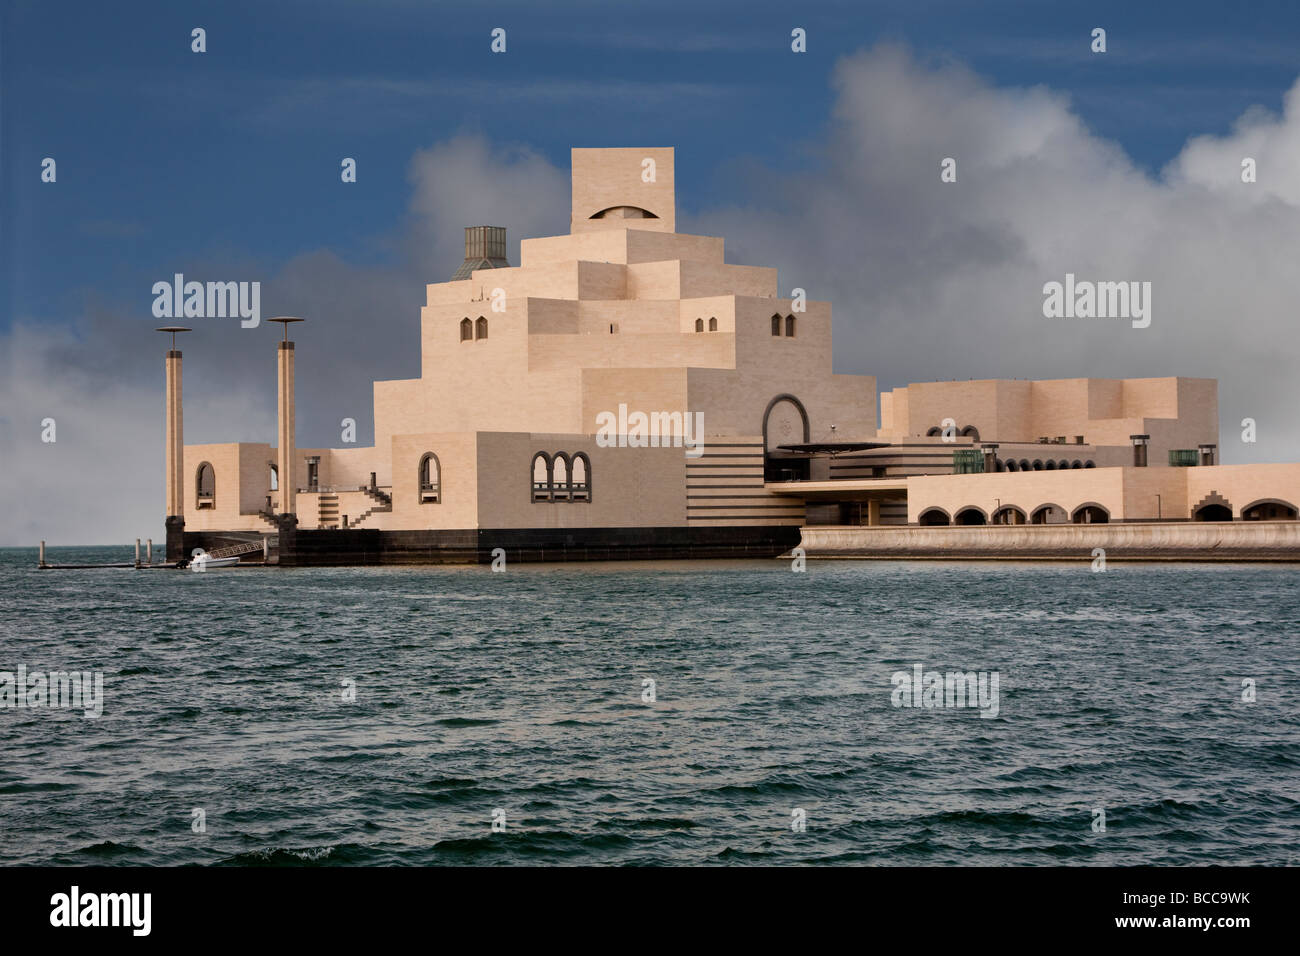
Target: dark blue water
(522, 692)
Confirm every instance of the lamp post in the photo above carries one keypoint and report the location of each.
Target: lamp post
(174, 449)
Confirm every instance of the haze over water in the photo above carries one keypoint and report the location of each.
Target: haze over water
(522, 691)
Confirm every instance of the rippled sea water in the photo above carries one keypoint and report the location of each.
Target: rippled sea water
(522, 692)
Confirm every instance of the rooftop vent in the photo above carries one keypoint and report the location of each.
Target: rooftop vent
(485, 248)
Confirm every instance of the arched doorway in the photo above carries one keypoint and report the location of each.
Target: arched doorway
(1214, 512)
(1213, 507)
(785, 422)
(1009, 514)
(1048, 514)
(933, 516)
(970, 515)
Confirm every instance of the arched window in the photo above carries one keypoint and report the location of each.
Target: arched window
(1011, 465)
(480, 328)
(541, 477)
(934, 432)
(970, 431)
(1090, 464)
(430, 479)
(789, 326)
(713, 323)
(205, 486)
(776, 325)
(1076, 464)
(466, 330)
(699, 325)
(560, 477)
(275, 478)
(580, 477)
(1038, 464)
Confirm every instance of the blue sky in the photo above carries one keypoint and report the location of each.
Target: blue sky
(225, 166)
(235, 152)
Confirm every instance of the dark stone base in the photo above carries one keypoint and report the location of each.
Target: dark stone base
(175, 525)
(288, 537)
(358, 546)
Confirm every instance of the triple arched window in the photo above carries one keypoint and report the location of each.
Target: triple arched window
(561, 477)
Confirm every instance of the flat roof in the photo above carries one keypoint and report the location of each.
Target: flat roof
(859, 488)
(834, 446)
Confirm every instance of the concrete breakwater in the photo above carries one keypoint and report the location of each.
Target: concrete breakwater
(1152, 541)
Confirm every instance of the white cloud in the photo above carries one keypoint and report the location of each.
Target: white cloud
(937, 281)
(465, 182)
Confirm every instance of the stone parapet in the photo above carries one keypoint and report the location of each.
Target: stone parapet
(1176, 541)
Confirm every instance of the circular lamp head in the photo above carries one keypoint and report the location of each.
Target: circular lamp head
(173, 329)
(285, 320)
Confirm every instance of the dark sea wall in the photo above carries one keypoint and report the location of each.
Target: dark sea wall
(362, 546)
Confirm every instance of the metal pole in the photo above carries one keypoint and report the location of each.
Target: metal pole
(148, 558)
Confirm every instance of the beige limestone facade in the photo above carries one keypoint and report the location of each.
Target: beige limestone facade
(555, 396)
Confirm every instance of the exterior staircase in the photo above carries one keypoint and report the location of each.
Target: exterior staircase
(383, 502)
(329, 510)
(248, 547)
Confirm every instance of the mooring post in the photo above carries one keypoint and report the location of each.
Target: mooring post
(137, 552)
(42, 561)
(148, 558)
(266, 549)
